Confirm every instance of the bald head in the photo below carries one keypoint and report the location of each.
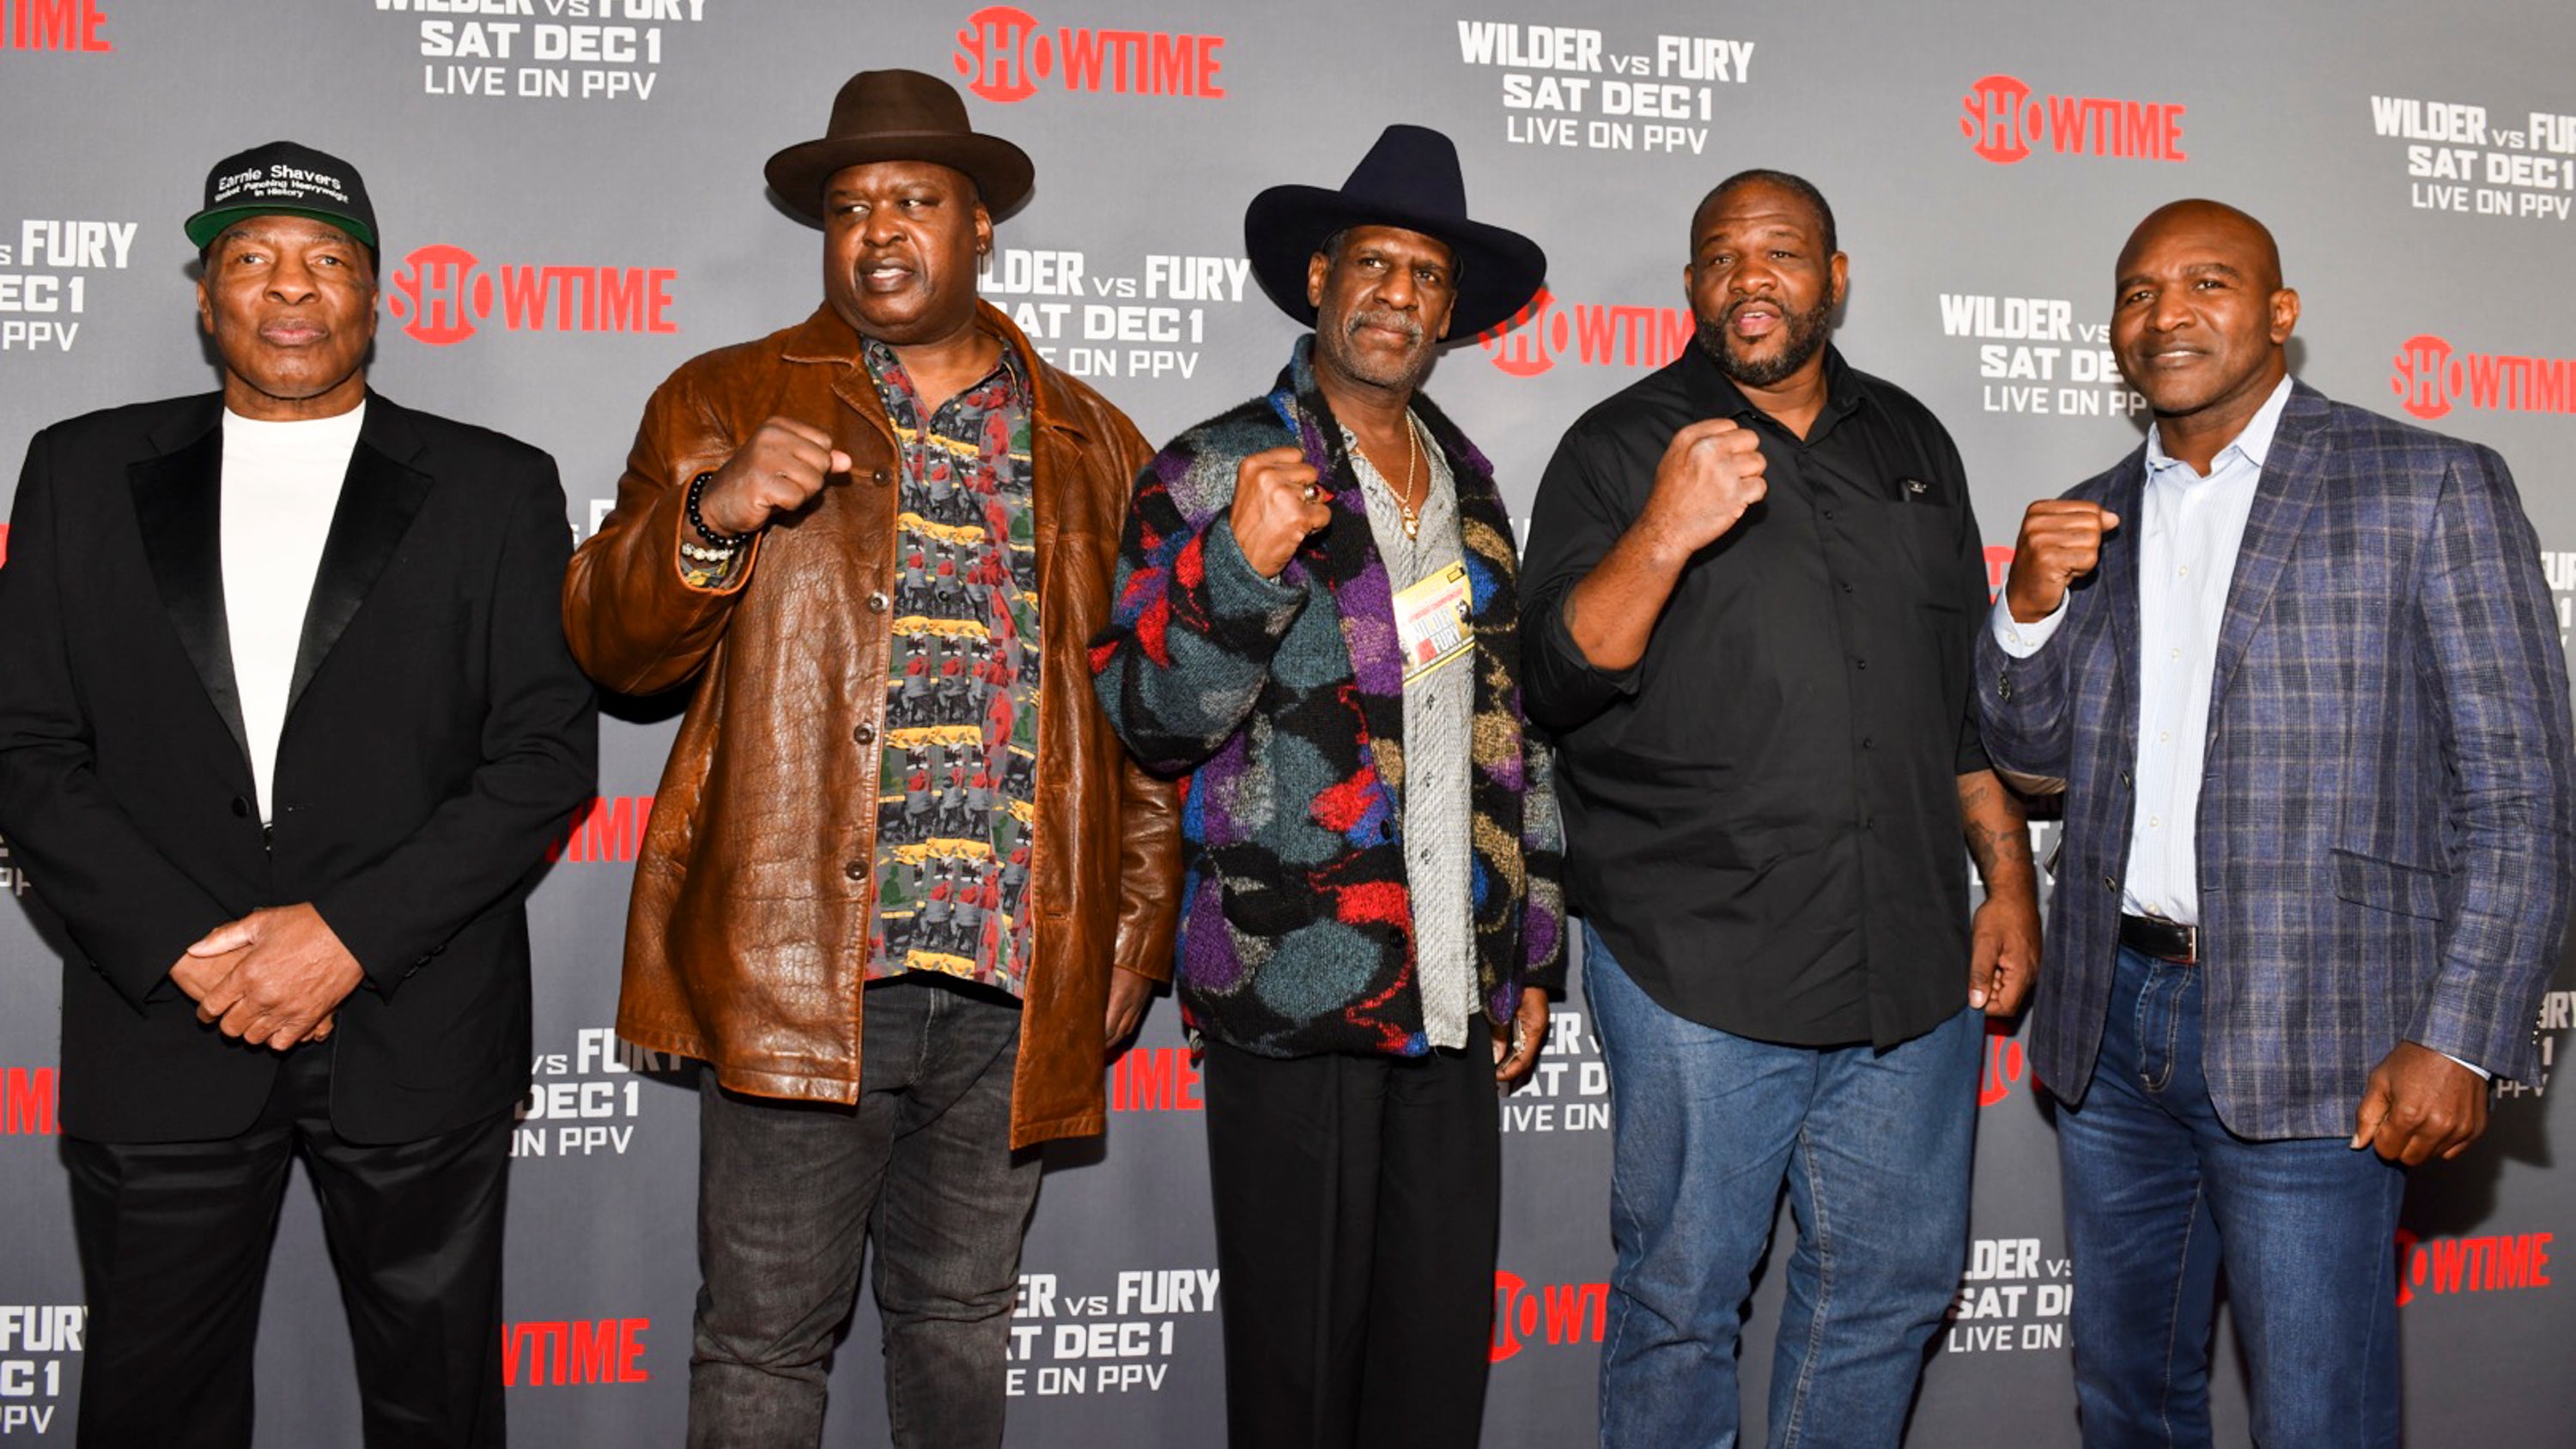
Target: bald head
(2200, 322)
(2210, 222)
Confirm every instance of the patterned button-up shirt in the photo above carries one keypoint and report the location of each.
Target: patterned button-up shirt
(958, 788)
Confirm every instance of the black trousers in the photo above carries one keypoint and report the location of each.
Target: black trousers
(1358, 1204)
(174, 1243)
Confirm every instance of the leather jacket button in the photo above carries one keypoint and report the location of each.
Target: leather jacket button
(864, 733)
(877, 603)
(878, 477)
(856, 870)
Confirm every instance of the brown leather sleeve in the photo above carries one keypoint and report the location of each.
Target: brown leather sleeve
(1149, 872)
(1149, 812)
(634, 621)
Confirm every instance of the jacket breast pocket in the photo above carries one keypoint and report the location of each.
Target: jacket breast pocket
(2385, 885)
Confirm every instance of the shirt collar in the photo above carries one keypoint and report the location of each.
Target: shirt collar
(888, 371)
(2253, 444)
(1719, 397)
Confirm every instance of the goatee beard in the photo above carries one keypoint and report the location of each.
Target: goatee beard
(1808, 332)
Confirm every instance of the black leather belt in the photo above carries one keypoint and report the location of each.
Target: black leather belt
(2165, 940)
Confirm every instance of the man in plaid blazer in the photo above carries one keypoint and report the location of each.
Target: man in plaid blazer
(2298, 668)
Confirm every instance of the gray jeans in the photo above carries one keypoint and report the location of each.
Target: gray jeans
(789, 1194)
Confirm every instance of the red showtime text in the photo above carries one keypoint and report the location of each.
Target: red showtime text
(442, 295)
(609, 828)
(2429, 379)
(1558, 1313)
(27, 1096)
(51, 25)
(1155, 1079)
(1548, 331)
(2470, 1265)
(1003, 55)
(2004, 122)
(546, 1354)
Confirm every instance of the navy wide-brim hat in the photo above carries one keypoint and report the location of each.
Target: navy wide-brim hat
(1409, 179)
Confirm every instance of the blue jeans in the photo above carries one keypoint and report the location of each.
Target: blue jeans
(2159, 1194)
(790, 1193)
(1875, 1147)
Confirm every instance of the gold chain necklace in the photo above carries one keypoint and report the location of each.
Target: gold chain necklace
(1412, 457)
(1408, 512)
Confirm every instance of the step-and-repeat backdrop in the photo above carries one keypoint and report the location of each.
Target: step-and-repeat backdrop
(571, 203)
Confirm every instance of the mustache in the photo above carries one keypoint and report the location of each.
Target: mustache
(1384, 317)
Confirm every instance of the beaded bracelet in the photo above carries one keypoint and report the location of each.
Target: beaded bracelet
(726, 541)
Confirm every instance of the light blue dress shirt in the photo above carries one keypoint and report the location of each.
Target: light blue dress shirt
(2187, 546)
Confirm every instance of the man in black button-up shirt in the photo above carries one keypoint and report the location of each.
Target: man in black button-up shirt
(1755, 583)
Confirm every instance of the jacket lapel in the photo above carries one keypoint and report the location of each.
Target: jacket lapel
(378, 500)
(178, 504)
(2126, 498)
(1343, 556)
(2293, 475)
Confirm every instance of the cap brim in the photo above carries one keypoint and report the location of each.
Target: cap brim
(205, 226)
(1499, 270)
(1002, 173)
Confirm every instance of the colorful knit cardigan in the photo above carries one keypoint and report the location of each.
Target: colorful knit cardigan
(1280, 703)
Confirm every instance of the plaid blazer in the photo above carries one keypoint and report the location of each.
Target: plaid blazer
(2383, 847)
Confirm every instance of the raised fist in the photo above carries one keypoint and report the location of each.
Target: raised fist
(778, 471)
(2061, 541)
(1276, 504)
(1710, 474)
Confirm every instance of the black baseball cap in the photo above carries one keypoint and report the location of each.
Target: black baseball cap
(283, 177)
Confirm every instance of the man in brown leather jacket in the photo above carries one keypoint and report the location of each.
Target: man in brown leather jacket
(902, 925)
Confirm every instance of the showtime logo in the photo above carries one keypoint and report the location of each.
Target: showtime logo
(2005, 123)
(27, 1097)
(1546, 331)
(1155, 1079)
(1566, 1312)
(2006, 1065)
(442, 295)
(2470, 1265)
(51, 25)
(1003, 56)
(2429, 379)
(609, 828)
(578, 1351)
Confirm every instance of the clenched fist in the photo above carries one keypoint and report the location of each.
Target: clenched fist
(2061, 541)
(777, 471)
(1276, 504)
(1710, 474)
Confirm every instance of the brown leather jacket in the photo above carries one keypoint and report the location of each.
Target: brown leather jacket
(746, 940)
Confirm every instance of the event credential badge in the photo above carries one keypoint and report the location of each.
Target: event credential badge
(1431, 621)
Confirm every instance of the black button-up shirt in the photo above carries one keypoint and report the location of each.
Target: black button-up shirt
(1762, 814)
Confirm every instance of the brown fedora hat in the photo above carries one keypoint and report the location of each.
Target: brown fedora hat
(900, 115)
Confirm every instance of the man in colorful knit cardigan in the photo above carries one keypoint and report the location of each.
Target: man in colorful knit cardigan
(1315, 628)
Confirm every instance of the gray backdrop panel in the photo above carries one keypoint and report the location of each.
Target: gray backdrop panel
(571, 203)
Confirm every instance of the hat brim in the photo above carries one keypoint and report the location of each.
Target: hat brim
(1002, 172)
(205, 226)
(1499, 270)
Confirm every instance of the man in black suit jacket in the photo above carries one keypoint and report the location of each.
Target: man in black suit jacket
(286, 721)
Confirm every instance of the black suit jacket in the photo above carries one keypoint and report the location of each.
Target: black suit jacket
(438, 735)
